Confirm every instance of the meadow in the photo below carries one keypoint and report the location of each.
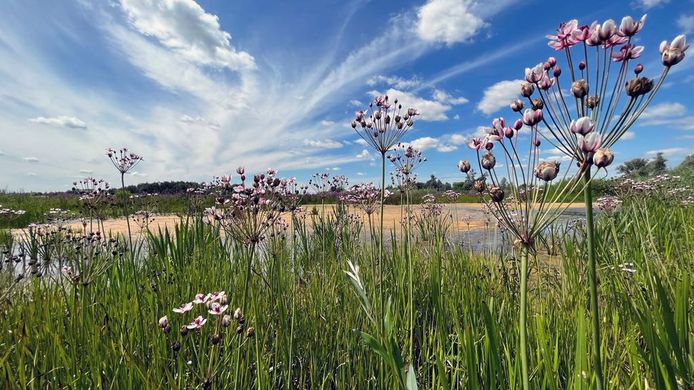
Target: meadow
(265, 282)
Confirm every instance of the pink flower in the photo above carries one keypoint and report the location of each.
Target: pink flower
(582, 126)
(581, 34)
(673, 52)
(532, 117)
(594, 35)
(217, 309)
(627, 52)
(184, 308)
(565, 35)
(197, 323)
(476, 143)
(629, 27)
(535, 74)
(589, 143)
(215, 296)
(201, 298)
(607, 30)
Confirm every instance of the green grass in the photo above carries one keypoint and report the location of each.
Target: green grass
(309, 323)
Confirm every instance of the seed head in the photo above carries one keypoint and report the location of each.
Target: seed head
(547, 170)
(603, 158)
(464, 166)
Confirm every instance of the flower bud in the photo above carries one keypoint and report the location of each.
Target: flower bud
(673, 52)
(238, 314)
(638, 69)
(183, 330)
(517, 105)
(603, 158)
(552, 61)
(226, 320)
(538, 104)
(163, 322)
(479, 185)
(497, 194)
(518, 124)
(581, 65)
(250, 332)
(557, 71)
(547, 170)
(592, 101)
(216, 338)
(527, 89)
(176, 346)
(639, 86)
(464, 166)
(537, 142)
(488, 161)
(508, 132)
(579, 88)
(582, 125)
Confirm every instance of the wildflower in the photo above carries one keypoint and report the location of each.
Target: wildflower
(532, 117)
(238, 315)
(579, 88)
(535, 74)
(566, 35)
(123, 160)
(480, 185)
(464, 166)
(527, 89)
(217, 309)
(184, 308)
(384, 128)
(517, 105)
(197, 323)
(639, 86)
(163, 322)
(673, 53)
(488, 161)
(603, 158)
(547, 170)
(201, 298)
(476, 143)
(497, 194)
(627, 52)
(629, 27)
(590, 143)
(582, 126)
(250, 332)
(226, 320)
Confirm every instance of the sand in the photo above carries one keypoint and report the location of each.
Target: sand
(472, 216)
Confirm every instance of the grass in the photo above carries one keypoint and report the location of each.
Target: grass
(309, 323)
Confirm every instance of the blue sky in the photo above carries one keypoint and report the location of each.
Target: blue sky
(199, 88)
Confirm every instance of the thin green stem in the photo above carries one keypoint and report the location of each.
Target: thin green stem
(523, 318)
(592, 276)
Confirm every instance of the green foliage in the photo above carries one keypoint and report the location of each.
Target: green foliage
(304, 309)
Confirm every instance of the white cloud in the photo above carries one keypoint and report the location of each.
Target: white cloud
(31, 174)
(394, 81)
(647, 4)
(669, 151)
(198, 120)
(628, 135)
(136, 173)
(361, 141)
(664, 110)
(364, 154)
(425, 143)
(322, 144)
(86, 171)
(444, 97)
(686, 23)
(499, 96)
(60, 121)
(31, 159)
(448, 21)
(431, 110)
(184, 27)
(671, 114)
(356, 103)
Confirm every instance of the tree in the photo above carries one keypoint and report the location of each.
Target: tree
(634, 168)
(657, 166)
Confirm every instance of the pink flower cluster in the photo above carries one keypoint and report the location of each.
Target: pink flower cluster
(123, 159)
(215, 302)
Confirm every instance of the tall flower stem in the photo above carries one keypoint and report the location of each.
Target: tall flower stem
(125, 210)
(523, 317)
(243, 307)
(411, 272)
(380, 242)
(592, 276)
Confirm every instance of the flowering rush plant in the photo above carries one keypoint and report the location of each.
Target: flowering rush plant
(603, 102)
(123, 160)
(384, 123)
(406, 159)
(529, 204)
(248, 209)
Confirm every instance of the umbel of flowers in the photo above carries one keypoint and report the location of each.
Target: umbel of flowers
(382, 126)
(207, 315)
(602, 104)
(527, 206)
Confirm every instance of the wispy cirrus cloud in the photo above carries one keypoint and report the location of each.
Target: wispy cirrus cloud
(60, 121)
